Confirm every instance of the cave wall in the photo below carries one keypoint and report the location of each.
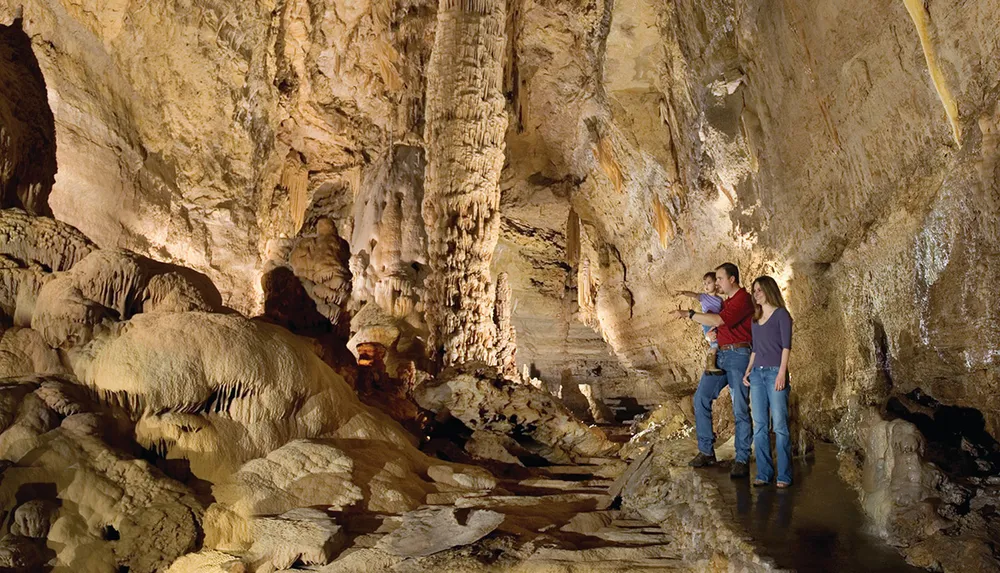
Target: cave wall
(847, 148)
(818, 147)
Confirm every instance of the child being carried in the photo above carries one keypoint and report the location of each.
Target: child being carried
(711, 302)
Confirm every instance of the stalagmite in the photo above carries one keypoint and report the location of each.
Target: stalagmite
(320, 262)
(466, 123)
(506, 335)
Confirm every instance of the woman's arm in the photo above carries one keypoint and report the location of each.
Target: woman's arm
(746, 375)
(785, 329)
(779, 382)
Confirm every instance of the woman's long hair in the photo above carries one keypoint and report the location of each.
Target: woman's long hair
(772, 294)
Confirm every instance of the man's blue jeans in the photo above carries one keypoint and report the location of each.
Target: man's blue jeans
(734, 364)
(768, 402)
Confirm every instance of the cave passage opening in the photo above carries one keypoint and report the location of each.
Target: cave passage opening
(27, 126)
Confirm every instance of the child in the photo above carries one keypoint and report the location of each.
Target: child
(710, 303)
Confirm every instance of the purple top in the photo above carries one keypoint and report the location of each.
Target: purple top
(771, 337)
(710, 303)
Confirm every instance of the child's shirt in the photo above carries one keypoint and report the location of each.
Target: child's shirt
(710, 304)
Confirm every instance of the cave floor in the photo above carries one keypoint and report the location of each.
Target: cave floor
(557, 519)
(561, 519)
(815, 525)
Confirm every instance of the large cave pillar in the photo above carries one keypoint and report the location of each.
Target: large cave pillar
(466, 122)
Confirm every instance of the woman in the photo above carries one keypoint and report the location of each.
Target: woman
(767, 377)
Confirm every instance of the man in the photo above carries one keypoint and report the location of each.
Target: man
(733, 335)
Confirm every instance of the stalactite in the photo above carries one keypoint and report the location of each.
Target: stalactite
(921, 21)
(573, 238)
(663, 222)
(466, 124)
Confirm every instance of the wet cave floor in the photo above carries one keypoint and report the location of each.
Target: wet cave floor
(815, 525)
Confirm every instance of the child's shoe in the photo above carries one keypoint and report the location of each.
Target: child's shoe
(711, 366)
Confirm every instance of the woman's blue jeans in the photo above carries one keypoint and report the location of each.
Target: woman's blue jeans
(766, 402)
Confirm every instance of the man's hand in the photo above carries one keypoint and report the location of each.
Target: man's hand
(746, 379)
(780, 381)
(712, 335)
(679, 313)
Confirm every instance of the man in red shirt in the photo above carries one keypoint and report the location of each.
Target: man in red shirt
(733, 332)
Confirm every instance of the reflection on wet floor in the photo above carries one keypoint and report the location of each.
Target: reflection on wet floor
(816, 525)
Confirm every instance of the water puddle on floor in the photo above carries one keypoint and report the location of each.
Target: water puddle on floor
(815, 525)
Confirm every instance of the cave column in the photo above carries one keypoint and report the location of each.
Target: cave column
(464, 137)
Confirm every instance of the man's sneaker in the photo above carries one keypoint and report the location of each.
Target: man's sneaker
(740, 470)
(702, 460)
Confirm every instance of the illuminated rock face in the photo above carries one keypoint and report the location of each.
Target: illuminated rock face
(563, 168)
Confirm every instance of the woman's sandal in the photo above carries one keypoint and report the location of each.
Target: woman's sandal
(760, 482)
(782, 485)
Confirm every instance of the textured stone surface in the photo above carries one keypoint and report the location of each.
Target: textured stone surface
(601, 155)
(481, 401)
(427, 531)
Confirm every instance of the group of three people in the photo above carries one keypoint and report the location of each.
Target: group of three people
(752, 342)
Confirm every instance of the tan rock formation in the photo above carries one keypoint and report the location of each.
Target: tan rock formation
(916, 505)
(466, 122)
(321, 263)
(97, 507)
(220, 390)
(430, 530)
(506, 335)
(484, 402)
(104, 286)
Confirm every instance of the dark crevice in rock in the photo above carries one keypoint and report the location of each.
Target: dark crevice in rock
(27, 127)
(957, 440)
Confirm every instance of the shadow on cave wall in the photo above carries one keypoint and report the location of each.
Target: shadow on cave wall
(27, 127)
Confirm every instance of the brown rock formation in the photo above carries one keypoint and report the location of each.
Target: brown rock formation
(589, 157)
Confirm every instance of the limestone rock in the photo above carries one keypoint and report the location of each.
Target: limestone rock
(220, 390)
(34, 518)
(470, 478)
(303, 535)
(321, 263)
(23, 352)
(389, 241)
(51, 244)
(109, 285)
(171, 292)
(21, 553)
(465, 155)
(154, 519)
(484, 402)
(208, 562)
(486, 445)
(590, 522)
(299, 474)
(897, 483)
(430, 530)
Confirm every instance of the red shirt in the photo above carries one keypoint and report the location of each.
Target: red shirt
(737, 315)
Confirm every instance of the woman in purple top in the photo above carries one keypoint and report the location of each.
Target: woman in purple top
(767, 377)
